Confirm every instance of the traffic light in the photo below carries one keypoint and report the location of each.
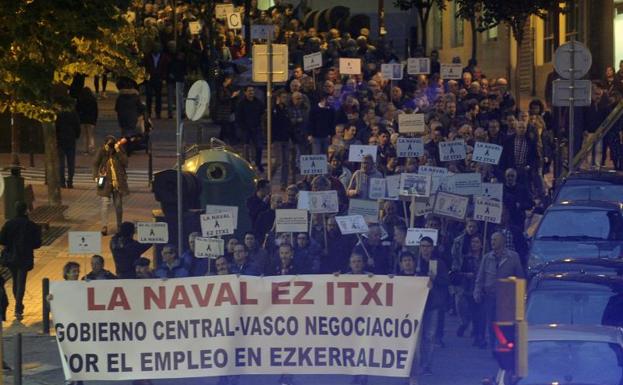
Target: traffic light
(511, 347)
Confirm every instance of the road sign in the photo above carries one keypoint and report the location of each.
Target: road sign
(85, 242)
(563, 92)
(582, 60)
(214, 225)
(350, 66)
(152, 232)
(260, 63)
(418, 65)
(234, 20)
(312, 61)
(209, 247)
(198, 100)
(291, 221)
(451, 71)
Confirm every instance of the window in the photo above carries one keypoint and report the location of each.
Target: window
(437, 29)
(548, 37)
(457, 27)
(573, 22)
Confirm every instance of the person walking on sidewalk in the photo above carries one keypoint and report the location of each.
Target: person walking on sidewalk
(20, 237)
(67, 133)
(87, 111)
(109, 171)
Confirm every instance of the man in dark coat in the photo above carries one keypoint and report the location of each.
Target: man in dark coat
(516, 199)
(249, 112)
(67, 132)
(520, 152)
(20, 236)
(126, 251)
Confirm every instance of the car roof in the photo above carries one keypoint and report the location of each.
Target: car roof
(587, 265)
(612, 282)
(559, 332)
(602, 175)
(585, 204)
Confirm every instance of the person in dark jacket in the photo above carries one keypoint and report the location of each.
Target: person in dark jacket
(19, 236)
(378, 254)
(128, 107)
(249, 112)
(176, 73)
(259, 201)
(156, 65)
(321, 126)
(97, 270)
(171, 266)
(142, 269)
(520, 152)
(224, 114)
(242, 265)
(281, 134)
(126, 251)
(87, 111)
(67, 132)
(286, 265)
(516, 199)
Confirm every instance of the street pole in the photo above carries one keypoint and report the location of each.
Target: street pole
(179, 135)
(269, 105)
(571, 107)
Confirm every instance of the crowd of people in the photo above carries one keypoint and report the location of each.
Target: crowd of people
(323, 112)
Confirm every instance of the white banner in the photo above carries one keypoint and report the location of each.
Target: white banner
(450, 205)
(312, 61)
(418, 65)
(452, 150)
(209, 247)
(415, 235)
(487, 210)
(350, 66)
(409, 147)
(152, 232)
(322, 202)
(290, 221)
(352, 224)
(487, 153)
(356, 152)
(367, 208)
(215, 225)
(411, 123)
(223, 325)
(313, 164)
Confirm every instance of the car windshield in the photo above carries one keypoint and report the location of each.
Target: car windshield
(581, 225)
(575, 303)
(573, 362)
(593, 192)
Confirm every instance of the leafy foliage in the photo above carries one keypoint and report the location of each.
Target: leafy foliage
(420, 5)
(44, 43)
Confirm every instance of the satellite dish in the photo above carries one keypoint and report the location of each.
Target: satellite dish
(198, 100)
(1, 184)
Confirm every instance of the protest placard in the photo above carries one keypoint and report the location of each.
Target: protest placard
(452, 150)
(356, 152)
(418, 65)
(212, 209)
(392, 186)
(367, 208)
(209, 247)
(194, 27)
(222, 10)
(432, 170)
(146, 329)
(411, 123)
(487, 210)
(352, 224)
(303, 200)
(493, 191)
(415, 235)
(217, 224)
(350, 66)
(466, 183)
(391, 71)
(312, 61)
(313, 164)
(377, 188)
(425, 206)
(85, 242)
(234, 20)
(451, 205)
(261, 31)
(409, 147)
(291, 221)
(418, 185)
(323, 202)
(152, 232)
(451, 71)
(487, 153)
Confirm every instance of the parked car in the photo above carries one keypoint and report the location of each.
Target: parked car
(578, 229)
(604, 266)
(571, 355)
(575, 298)
(601, 185)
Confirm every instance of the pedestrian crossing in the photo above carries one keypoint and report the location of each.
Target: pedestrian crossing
(83, 176)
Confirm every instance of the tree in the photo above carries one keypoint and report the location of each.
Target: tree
(423, 8)
(43, 44)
